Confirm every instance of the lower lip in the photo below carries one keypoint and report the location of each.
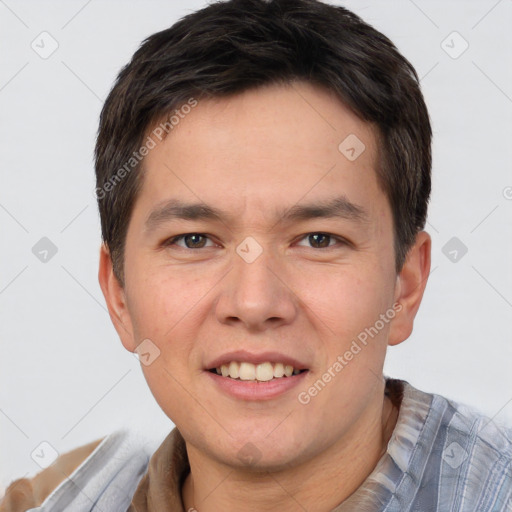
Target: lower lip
(247, 390)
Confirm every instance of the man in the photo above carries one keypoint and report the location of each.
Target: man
(263, 175)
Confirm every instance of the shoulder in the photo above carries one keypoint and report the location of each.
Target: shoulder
(481, 437)
(476, 460)
(103, 469)
(440, 419)
(465, 457)
(26, 493)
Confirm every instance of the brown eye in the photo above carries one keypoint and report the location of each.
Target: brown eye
(195, 240)
(191, 240)
(322, 240)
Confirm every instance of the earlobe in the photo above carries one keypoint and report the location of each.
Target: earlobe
(115, 298)
(410, 286)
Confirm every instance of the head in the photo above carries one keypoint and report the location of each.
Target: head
(291, 142)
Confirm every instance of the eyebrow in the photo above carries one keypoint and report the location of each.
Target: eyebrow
(338, 207)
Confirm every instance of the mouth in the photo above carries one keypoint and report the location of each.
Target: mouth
(262, 372)
(245, 375)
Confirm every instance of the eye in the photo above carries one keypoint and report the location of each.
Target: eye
(321, 240)
(191, 240)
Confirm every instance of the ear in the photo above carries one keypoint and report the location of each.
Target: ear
(409, 288)
(115, 298)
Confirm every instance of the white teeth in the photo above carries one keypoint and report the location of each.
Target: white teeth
(278, 370)
(234, 370)
(247, 371)
(262, 372)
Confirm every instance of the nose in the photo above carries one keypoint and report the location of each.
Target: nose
(257, 294)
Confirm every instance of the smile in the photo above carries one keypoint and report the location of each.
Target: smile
(262, 372)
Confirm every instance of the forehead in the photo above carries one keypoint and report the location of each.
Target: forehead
(274, 145)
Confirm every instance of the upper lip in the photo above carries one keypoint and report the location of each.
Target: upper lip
(249, 357)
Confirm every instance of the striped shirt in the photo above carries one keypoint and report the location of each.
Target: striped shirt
(443, 456)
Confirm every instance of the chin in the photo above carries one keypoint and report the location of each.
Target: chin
(260, 453)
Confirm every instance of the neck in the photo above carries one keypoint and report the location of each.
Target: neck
(320, 483)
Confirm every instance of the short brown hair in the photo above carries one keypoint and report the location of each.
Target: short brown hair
(229, 47)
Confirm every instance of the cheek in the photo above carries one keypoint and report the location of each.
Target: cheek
(342, 301)
(163, 311)
(167, 386)
(168, 308)
(161, 301)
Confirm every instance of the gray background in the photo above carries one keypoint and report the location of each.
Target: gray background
(64, 376)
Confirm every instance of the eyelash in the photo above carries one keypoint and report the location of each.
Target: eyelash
(173, 240)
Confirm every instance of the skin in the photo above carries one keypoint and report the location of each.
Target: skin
(253, 154)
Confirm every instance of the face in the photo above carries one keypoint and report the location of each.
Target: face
(267, 281)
